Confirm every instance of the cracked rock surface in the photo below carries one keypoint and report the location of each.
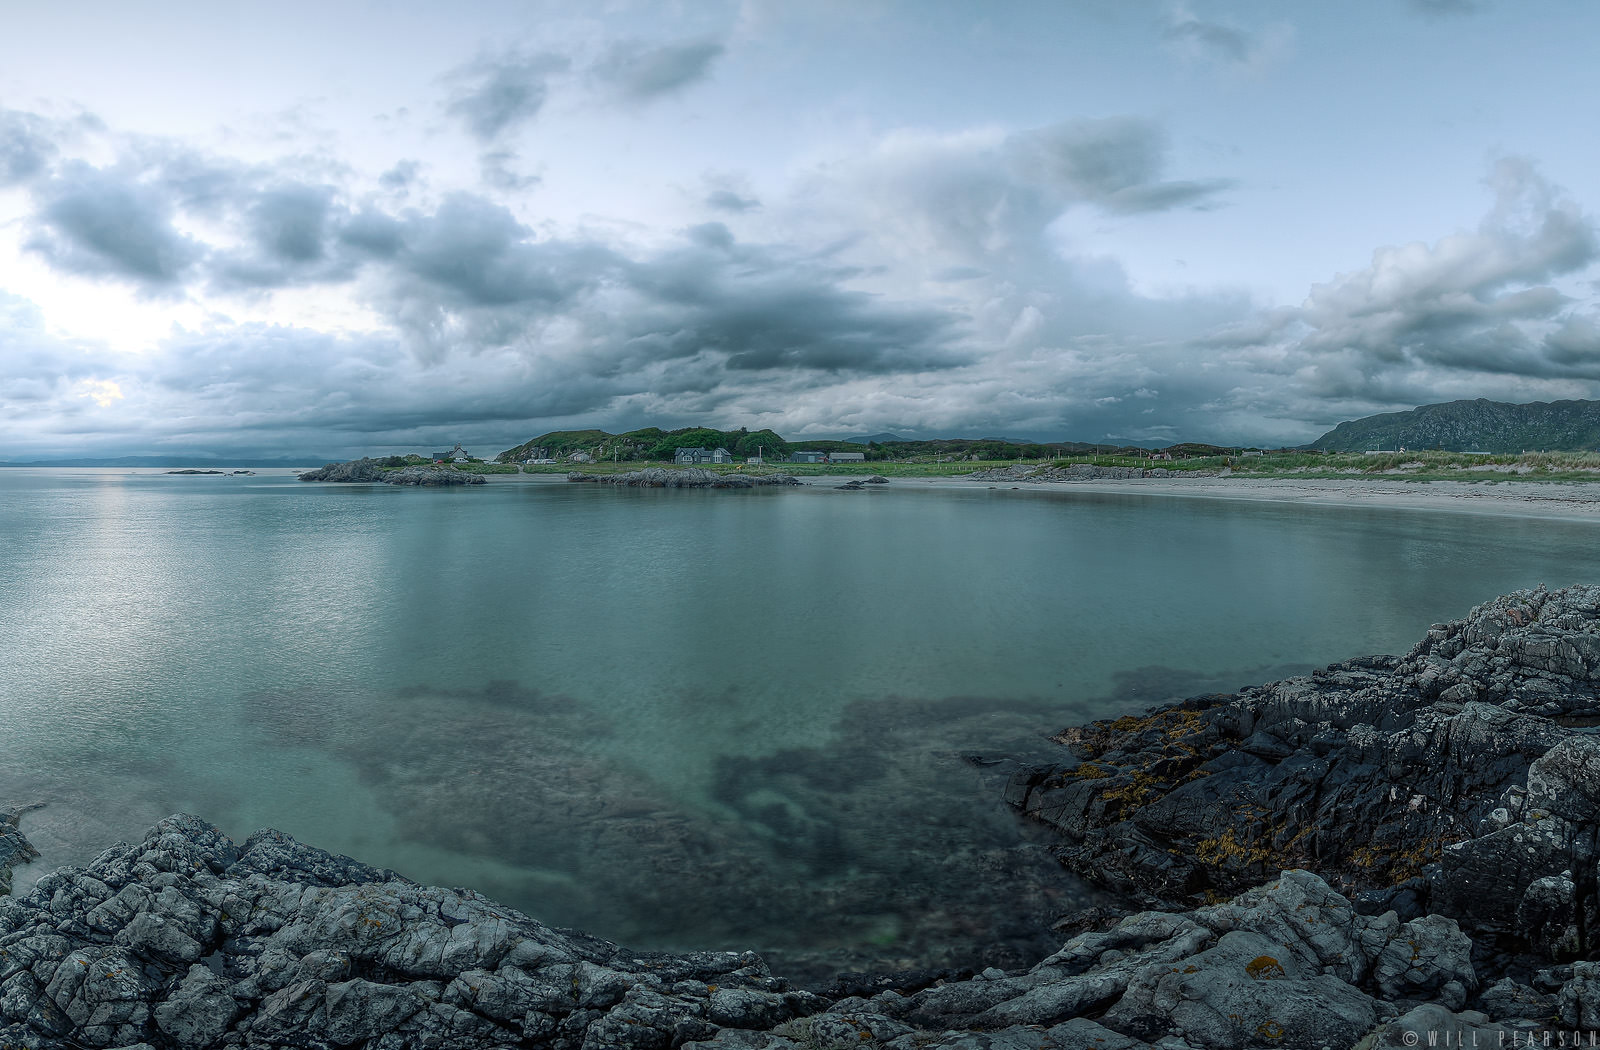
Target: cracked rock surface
(187, 940)
(1461, 778)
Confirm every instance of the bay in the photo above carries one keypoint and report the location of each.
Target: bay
(763, 718)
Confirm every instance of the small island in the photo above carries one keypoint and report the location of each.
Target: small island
(366, 469)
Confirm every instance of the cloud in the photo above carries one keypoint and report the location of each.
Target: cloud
(728, 200)
(290, 230)
(496, 170)
(1463, 315)
(25, 148)
(97, 222)
(400, 178)
(1114, 163)
(1224, 44)
(1447, 8)
(636, 73)
(498, 93)
(760, 308)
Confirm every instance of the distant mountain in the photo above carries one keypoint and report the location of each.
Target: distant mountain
(1473, 426)
(874, 439)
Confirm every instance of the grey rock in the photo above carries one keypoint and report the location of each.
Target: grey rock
(199, 1012)
(1460, 771)
(369, 470)
(1432, 1025)
(1578, 1002)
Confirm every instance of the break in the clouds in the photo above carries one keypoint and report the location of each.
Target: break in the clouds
(1130, 222)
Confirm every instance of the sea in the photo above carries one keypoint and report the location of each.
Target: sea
(778, 718)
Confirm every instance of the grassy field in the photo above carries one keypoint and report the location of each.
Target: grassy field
(1415, 466)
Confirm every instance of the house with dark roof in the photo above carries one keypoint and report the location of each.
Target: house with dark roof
(698, 456)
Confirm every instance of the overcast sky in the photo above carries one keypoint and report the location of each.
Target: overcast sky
(342, 226)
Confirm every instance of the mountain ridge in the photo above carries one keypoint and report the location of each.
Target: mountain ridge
(1478, 425)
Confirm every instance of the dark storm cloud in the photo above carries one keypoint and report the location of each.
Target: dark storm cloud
(475, 253)
(293, 232)
(638, 73)
(290, 222)
(758, 308)
(25, 146)
(1116, 163)
(497, 93)
(97, 222)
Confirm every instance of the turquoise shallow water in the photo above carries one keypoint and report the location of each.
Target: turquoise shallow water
(674, 717)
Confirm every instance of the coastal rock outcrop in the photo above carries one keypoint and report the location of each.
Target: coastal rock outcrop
(188, 940)
(684, 478)
(370, 470)
(1462, 777)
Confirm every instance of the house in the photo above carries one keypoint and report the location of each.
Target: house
(807, 457)
(439, 457)
(847, 457)
(754, 461)
(697, 456)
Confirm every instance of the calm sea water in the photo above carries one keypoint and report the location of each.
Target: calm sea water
(711, 719)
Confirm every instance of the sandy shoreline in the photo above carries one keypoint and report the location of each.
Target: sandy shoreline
(1534, 499)
(1539, 499)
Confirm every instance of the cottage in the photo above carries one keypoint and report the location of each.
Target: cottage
(847, 457)
(807, 457)
(697, 456)
(439, 457)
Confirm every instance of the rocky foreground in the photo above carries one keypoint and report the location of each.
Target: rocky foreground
(369, 470)
(1449, 800)
(684, 478)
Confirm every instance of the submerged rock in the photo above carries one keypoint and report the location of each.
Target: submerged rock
(14, 847)
(684, 478)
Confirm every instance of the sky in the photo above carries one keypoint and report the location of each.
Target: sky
(351, 227)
